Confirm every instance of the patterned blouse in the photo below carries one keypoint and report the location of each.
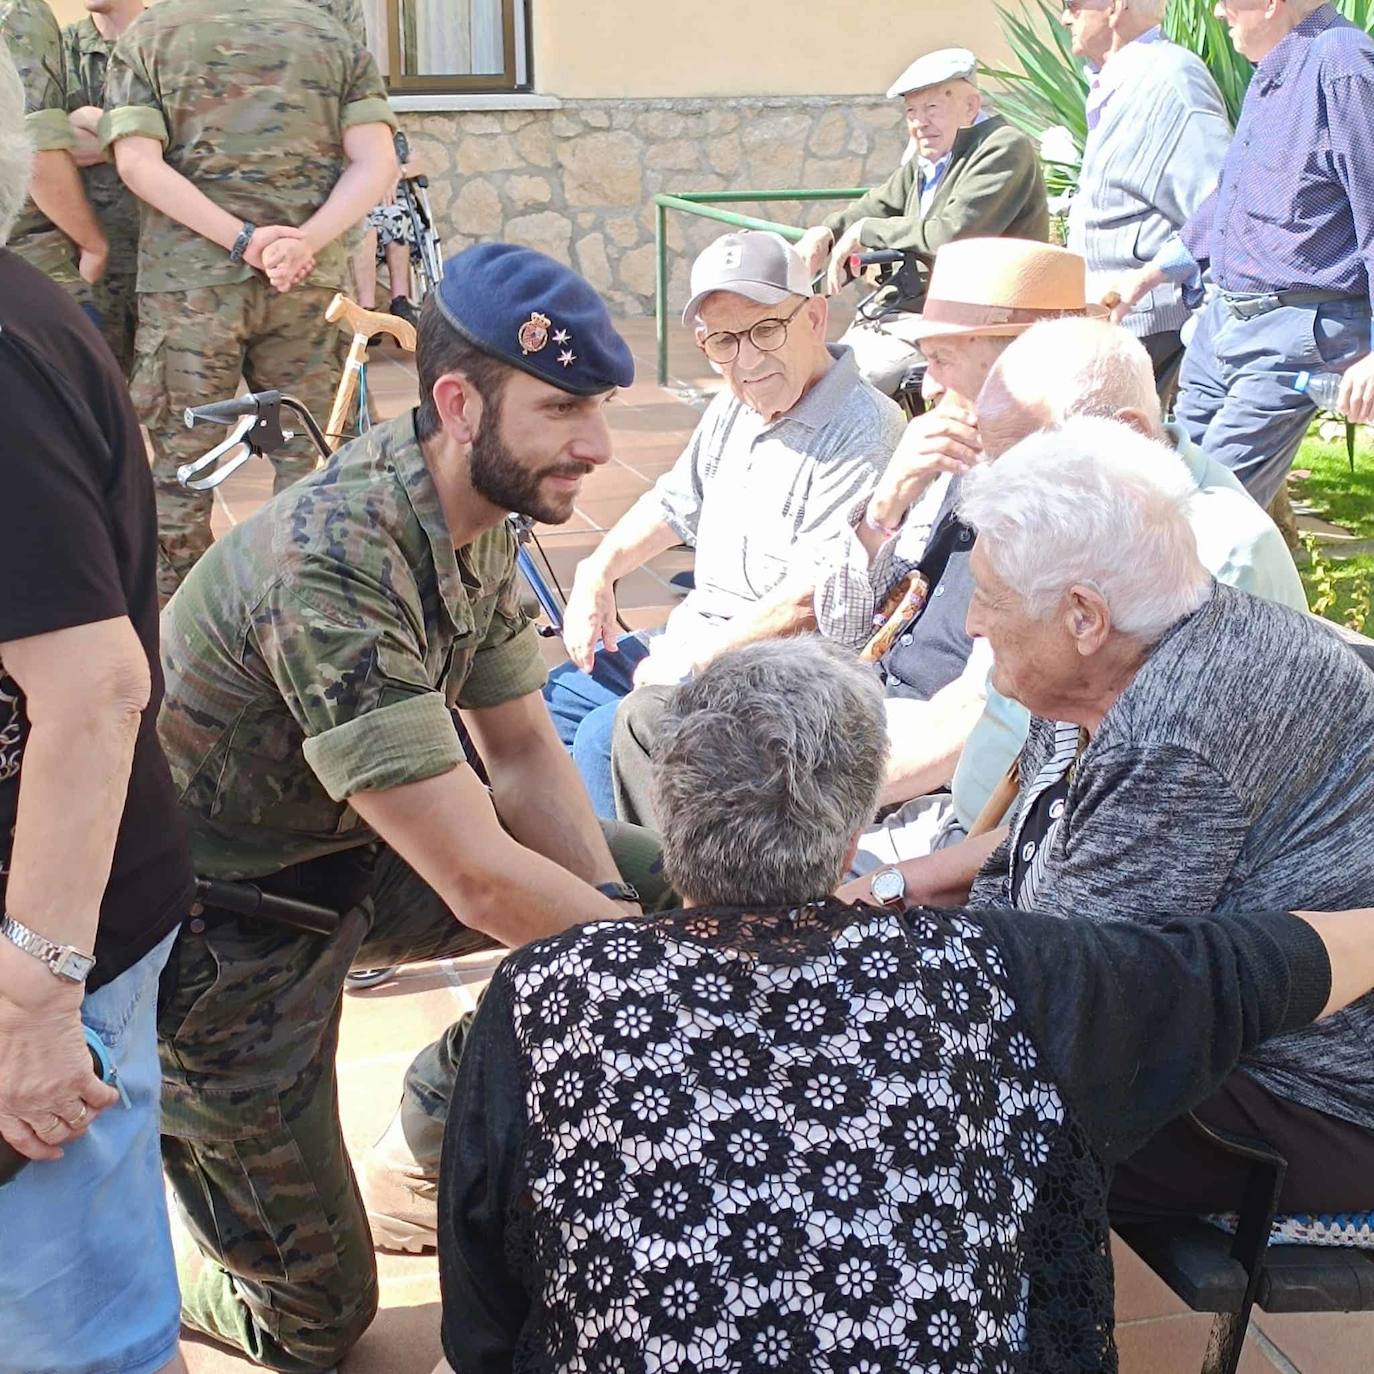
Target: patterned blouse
(828, 1139)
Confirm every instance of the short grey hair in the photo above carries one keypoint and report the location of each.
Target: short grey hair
(766, 765)
(16, 151)
(1092, 504)
(1059, 370)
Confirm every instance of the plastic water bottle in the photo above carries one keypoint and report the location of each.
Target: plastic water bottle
(1323, 388)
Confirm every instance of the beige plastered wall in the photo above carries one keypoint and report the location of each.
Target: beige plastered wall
(627, 49)
(648, 48)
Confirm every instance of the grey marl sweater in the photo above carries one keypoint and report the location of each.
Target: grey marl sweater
(1233, 774)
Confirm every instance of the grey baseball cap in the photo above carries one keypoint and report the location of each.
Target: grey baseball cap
(755, 263)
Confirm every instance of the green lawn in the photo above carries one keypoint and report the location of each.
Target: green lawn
(1339, 587)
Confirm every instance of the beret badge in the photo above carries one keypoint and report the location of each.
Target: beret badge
(534, 333)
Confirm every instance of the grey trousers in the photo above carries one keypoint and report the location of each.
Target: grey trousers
(1236, 399)
(882, 352)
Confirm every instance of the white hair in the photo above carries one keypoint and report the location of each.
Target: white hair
(1092, 504)
(16, 152)
(1062, 369)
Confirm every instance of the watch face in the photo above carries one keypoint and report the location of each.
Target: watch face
(74, 967)
(888, 886)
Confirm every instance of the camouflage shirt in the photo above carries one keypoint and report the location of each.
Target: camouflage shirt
(250, 104)
(35, 43)
(349, 13)
(314, 652)
(86, 55)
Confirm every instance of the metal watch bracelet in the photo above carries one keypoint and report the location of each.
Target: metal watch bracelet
(63, 961)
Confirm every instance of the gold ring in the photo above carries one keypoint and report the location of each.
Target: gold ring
(85, 1111)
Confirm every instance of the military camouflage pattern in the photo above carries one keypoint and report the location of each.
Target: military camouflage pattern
(250, 103)
(35, 44)
(349, 13)
(86, 56)
(251, 1138)
(192, 348)
(317, 649)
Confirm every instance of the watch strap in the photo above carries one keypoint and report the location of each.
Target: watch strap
(63, 961)
(241, 243)
(618, 892)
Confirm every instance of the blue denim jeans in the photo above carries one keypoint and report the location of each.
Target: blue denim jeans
(87, 1280)
(583, 707)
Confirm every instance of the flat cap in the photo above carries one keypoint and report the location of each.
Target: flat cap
(524, 308)
(934, 69)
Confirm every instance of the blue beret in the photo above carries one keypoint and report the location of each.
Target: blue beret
(535, 314)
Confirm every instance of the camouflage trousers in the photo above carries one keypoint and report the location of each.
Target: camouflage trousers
(116, 301)
(248, 1025)
(192, 348)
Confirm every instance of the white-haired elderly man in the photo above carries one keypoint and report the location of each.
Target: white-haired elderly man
(973, 176)
(1193, 749)
(775, 1132)
(967, 736)
(794, 438)
(1157, 134)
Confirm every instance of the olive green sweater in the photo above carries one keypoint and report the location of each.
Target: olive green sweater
(992, 188)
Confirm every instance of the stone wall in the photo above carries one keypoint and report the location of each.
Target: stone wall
(578, 182)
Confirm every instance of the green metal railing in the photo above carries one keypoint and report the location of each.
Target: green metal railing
(702, 203)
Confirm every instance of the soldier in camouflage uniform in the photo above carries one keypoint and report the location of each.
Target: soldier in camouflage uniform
(312, 661)
(74, 255)
(86, 48)
(250, 133)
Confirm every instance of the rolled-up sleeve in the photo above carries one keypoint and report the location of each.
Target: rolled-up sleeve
(356, 683)
(132, 106)
(366, 101)
(507, 664)
(35, 42)
(850, 590)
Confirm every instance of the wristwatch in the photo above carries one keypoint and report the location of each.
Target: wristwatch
(618, 892)
(63, 961)
(241, 243)
(888, 886)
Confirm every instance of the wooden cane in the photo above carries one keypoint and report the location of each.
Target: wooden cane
(362, 325)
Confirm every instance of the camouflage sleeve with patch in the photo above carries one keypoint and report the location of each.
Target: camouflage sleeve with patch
(133, 107)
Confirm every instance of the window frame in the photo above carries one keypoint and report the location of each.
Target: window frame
(504, 82)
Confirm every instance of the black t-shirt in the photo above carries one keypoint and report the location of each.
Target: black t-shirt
(78, 544)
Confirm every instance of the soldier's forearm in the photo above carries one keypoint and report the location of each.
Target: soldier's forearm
(164, 188)
(542, 802)
(369, 175)
(57, 191)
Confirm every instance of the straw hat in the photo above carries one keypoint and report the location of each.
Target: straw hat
(1001, 286)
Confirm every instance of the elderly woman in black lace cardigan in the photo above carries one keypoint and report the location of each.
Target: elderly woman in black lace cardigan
(775, 1132)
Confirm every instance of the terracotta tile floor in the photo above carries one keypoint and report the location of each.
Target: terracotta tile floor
(383, 1028)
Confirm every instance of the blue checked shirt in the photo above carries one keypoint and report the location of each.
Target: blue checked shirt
(1294, 208)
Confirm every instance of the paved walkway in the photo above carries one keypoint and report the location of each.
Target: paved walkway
(383, 1028)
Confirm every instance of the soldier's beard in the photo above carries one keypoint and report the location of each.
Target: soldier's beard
(497, 474)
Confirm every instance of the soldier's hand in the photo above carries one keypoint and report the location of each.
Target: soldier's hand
(92, 262)
(288, 263)
(589, 616)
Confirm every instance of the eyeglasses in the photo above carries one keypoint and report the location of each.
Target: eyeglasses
(766, 335)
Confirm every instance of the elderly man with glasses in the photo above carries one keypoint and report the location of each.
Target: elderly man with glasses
(792, 441)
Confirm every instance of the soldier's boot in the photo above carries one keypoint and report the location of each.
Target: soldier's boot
(400, 1182)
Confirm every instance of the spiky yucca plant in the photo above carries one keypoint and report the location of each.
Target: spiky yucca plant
(1048, 86)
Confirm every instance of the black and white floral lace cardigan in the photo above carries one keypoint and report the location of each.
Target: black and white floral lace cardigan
(830, 1139)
